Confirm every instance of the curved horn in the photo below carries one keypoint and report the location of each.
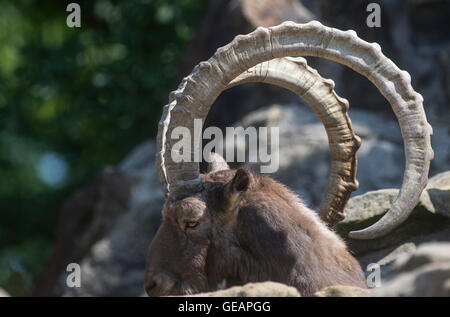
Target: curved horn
(217, 164)
(198, 91)
(295, 75)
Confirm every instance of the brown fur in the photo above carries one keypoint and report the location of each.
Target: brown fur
(251, 229)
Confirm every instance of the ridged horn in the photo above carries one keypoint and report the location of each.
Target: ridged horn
(197, 92)
(294, 74)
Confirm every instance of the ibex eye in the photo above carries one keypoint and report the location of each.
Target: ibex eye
(191, 224)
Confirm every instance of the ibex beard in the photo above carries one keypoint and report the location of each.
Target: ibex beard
(242, 227)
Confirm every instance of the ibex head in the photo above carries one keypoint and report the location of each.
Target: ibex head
(199, 231)
(213, 229)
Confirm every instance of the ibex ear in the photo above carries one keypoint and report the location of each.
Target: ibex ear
(233, 189)
(217, 163)
(241, 181)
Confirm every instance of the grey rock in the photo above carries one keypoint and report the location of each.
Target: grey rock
(342, 291)
(86, 217)
(425, 272)
(302, 143)
(115, 264)
(430, 215)
(438, 190)
(419, 251)
(431, 280)
(441, 181)
(264, 289)
(426, 254)
(385, 258)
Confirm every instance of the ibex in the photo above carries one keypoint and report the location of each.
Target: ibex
(229, 227)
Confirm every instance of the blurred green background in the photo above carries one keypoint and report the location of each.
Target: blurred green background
(72, 100)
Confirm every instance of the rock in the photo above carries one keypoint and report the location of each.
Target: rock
(426, 254)
(385, 257)
(430, 216)
(369, 205)
(402, 250)
(3, 293)
(86, 217)
(438, 190)
(264, 289)
(342, 291)
(127, 203)
(441, 181)
(432, 280)
(302, 143)
(115, 264)
(426, 272)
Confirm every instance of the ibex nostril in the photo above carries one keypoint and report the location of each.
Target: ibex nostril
(150, 287)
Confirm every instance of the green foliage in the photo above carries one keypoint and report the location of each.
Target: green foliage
(85, 95)
(20, 264)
